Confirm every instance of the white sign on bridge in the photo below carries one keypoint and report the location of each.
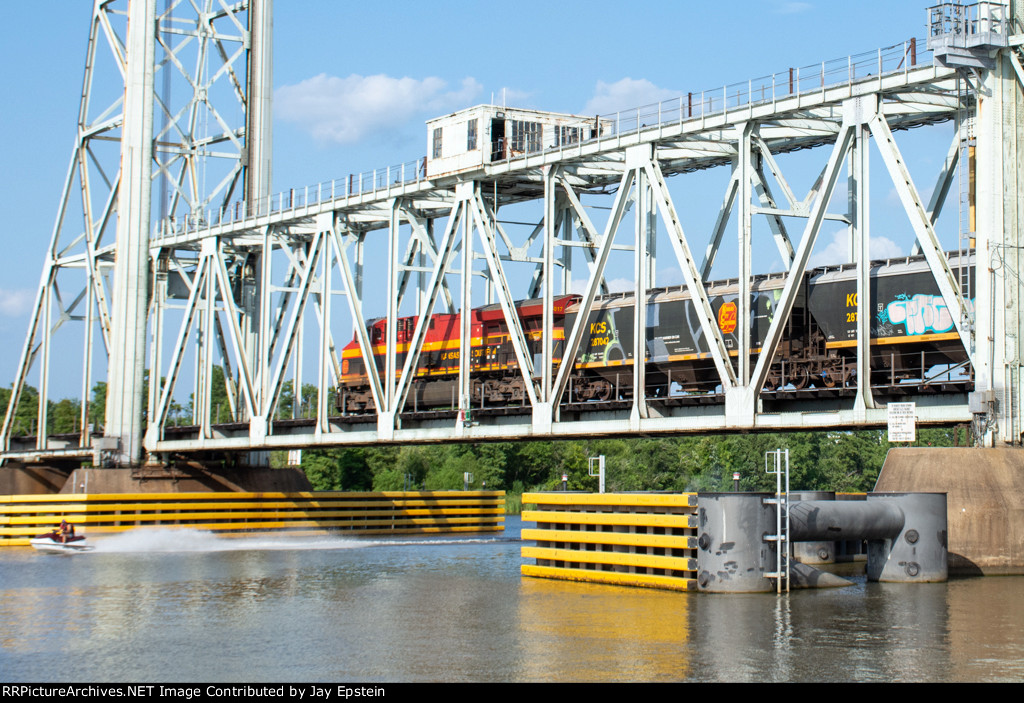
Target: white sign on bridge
(901, 422)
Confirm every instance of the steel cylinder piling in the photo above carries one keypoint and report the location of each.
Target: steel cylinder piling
(905, 534)
(821, 552)
(919, 550)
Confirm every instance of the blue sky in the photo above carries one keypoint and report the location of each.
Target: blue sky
(354, 83)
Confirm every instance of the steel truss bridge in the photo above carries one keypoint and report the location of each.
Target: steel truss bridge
(226, 295)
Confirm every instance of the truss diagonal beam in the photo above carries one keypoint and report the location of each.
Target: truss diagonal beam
(358, 320)
(156, 424)
(554, 216)
(445, 250)
(581, 323)
(775, 223)
(768, 159)
(718, 230)
(308, 274)
(691, 276)
(237, 343)
(922, 224)
(584, 227)
(504, 293)
(784, 307)
(943, 182)
(419, 243)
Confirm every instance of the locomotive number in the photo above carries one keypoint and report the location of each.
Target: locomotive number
(851, 317)
(599, 341)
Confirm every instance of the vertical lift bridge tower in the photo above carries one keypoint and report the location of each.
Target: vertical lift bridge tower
(167, 142)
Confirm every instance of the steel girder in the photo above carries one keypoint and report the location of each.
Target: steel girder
(315, 250)
(476, 243)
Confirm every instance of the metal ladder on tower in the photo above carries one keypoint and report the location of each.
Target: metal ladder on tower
(781, 503)
(965, 181)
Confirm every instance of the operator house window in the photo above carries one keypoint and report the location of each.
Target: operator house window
(526, 136)
(566, 135)
(471, 135)
(437, 142)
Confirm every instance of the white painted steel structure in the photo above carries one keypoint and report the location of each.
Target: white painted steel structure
(243, 285)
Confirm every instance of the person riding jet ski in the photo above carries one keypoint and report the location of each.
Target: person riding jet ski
(64, 533)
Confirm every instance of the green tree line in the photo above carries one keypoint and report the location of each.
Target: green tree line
(64, 416)
(838, 461)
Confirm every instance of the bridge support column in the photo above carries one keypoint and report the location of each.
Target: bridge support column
(999, 178)
(259, 154)
(131, 272)
(386, 425)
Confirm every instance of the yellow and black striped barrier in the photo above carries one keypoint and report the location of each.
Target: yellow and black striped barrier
(388, 512)
(626, 539)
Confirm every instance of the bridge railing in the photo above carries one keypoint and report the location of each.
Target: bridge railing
(297, 198)
(767, 89)
(757, 91)
(965, 25)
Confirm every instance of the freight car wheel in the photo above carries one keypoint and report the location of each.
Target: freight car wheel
(827, 380)
(800, 378)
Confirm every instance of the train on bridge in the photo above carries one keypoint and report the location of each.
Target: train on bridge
(912, 335)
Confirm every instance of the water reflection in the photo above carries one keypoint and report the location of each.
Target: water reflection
(578, 632)
(419, 610)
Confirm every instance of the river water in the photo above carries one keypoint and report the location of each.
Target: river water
(182, 607)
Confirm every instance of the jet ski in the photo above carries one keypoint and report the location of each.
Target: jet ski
(52, 543)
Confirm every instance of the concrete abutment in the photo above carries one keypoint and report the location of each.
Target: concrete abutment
(985, 501)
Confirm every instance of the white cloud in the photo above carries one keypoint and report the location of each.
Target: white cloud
(344, 110)
(624, 94)
(837, 251)
(884, 248)
(615, 285)
(14, 303)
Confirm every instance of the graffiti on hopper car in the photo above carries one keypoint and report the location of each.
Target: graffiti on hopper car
(920, 314)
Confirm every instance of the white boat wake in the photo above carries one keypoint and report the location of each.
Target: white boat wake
(189, 540)
(151, 539)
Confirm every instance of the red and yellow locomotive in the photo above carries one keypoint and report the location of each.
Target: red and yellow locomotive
(496, 379)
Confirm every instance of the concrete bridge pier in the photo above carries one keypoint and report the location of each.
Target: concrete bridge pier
(180, 477)
(985, 511)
